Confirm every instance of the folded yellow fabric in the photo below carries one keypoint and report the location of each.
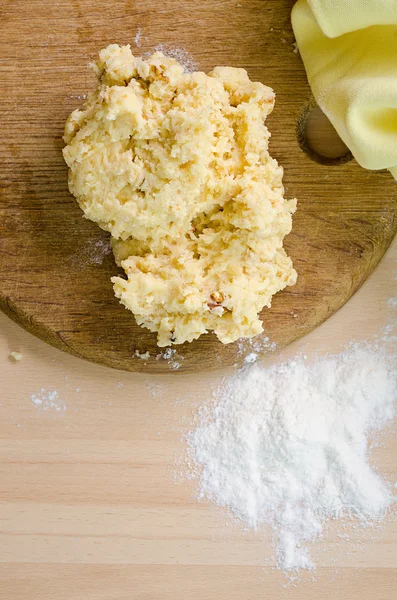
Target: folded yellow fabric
(349, 49)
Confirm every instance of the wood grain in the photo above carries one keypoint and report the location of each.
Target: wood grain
(90, 508)
(55, 267)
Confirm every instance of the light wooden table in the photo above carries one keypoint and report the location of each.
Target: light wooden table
(90, 508)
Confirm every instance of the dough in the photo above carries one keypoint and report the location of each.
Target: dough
(176, 166)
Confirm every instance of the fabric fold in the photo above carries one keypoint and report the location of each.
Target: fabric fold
(349, 49)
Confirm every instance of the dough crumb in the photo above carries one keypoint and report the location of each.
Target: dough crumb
(16, 356)
(142, 355)
(176, 166)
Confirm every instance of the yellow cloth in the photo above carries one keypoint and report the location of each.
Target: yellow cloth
(349, 49)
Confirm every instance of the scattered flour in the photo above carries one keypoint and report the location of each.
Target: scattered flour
(79, 96)
(166, 354)
(172, 357)
(93, 252)
(155, 389)
(392, 302)
(288, 445)
(48, 400)
(180, 54)
(251, 357)
(138, 37)
(388, 334)
(252, 348)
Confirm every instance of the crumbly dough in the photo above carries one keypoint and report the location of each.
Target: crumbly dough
(176, 166)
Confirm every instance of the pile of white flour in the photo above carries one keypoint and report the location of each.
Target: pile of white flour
(287, 446)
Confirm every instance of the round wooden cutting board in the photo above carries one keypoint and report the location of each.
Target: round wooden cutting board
(55, 266)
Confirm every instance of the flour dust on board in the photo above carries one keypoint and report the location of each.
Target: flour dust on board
(287, 446)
